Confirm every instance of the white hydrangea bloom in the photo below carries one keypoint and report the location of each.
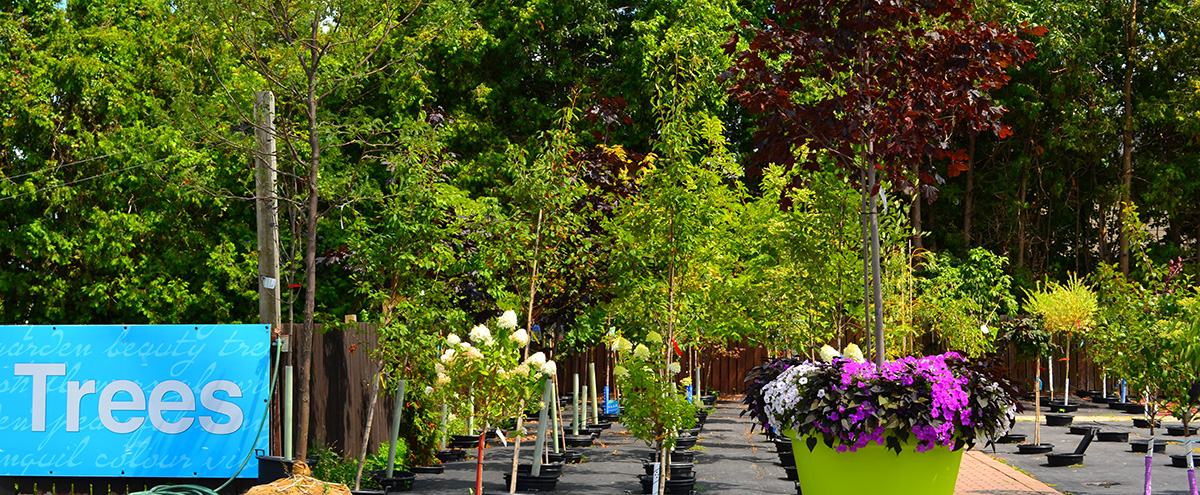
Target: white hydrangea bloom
(853, 353)
(641, 352)
(508, 320)
(550, 368)
(438, 368)
(428, 390)
(480, 335)
(620, 371)
(448, 356)
(624, 345)
(521, 370)
(536, 360)
(828, 353)
(443, 379)
(521, 337)
(686, 381)
(673, 368)
(654, 338)
(474, 354)
(453, 339)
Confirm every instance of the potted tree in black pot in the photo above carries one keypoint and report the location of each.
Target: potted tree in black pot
(489, 372)
(1067, 309)
(655, 407)
(1030, 339)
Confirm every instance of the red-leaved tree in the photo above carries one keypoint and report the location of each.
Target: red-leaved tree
(877, 85)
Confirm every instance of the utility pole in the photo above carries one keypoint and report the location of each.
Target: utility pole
(267, 213)
(267, 209)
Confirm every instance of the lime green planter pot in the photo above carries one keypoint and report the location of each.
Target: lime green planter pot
(875, 470)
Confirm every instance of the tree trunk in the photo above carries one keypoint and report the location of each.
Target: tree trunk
(875, 269)
(310, 263)
(1021, 215)
(866, 252)
(969, 197)
(537, 241)
(1127, 138)
(1037, 401)
(915, 211)
(665, 458)
(1102, 231)
(366, 438)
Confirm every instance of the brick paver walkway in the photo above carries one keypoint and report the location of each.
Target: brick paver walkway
(980, 474)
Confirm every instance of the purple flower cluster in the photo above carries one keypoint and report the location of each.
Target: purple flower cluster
(852, 404)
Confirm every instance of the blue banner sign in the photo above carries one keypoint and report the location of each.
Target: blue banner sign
(155, 401)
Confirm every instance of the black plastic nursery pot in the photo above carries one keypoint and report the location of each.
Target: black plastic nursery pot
(688, 456)
(1011, 438)
(1083, 394)
(1177, 430)
(452, 455)
(1140, 444)
(528, 483)
(1145, 423)
(1180, 460)
(401, 481)
(685, 442)
(1118, 405)
(566, 457)
(1096, 399)
(548, 469)
(1034, 448)
(1079, 430)
(435, 469)
(1060, 407)
(787, 459)
(790, 471)
(1112, 436)
(1134, 408)
(588, 429)
(610, 418)
(678, 470)
(578, 440)
(708, 400)
(1059, 419)
(463, 441)
(1066, 459)
(783, 445)
(681, 486)
(273, 467)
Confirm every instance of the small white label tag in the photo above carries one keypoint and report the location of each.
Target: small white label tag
(503, 439)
